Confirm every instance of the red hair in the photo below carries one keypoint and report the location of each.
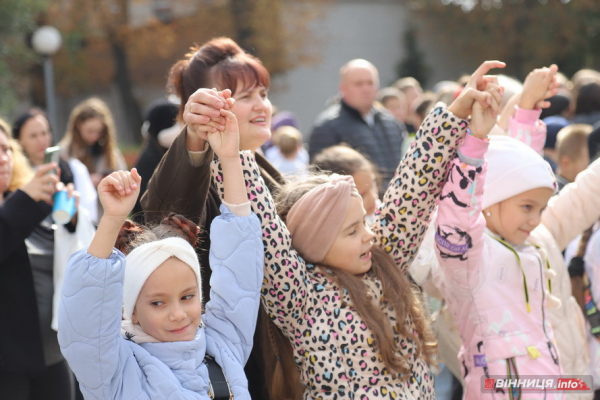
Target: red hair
(219, 63)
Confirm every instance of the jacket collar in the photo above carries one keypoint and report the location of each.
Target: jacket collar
(354, 112)
(180, 355)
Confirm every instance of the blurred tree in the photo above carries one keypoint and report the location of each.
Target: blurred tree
(17, 17)
(119, 42)
(526, 34)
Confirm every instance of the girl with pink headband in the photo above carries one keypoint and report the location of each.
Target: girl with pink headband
(337, 289)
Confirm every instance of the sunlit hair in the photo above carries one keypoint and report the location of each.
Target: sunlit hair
(572, 140)
(288, 139)
(397, 290)
(406, 83)
(390, 93)
(344, 160)
(21, 172)
(73, 142)
(220, 63)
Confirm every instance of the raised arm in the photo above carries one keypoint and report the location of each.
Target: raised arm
(412, 193)
(284, 288)
(524, 110)
(236, 259)
(236, 252)
(181, 182)
(89, 318)
(575, 208)
(459, 223)
(117, 193)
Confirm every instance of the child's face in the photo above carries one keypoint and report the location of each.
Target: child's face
(91, 130)
(367, 188)
(397, 107)
(351, 250)
(168, 307)
(516, 217)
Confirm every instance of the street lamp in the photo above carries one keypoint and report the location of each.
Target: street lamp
(46, 41)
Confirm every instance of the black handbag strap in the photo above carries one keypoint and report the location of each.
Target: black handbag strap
(219, 387)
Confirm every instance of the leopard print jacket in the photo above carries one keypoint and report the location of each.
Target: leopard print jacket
(333, 347)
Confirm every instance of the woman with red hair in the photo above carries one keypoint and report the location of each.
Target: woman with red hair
(182, 181)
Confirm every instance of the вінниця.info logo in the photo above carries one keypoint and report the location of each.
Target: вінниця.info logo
(538, 383)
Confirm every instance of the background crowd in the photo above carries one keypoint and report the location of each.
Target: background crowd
(364, 131)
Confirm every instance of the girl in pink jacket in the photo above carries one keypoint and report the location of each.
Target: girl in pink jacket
(496, 266)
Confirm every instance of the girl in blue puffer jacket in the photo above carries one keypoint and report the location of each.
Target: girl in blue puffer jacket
(132, 327)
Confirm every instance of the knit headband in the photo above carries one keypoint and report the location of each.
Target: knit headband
(142, 261)
(316, 219)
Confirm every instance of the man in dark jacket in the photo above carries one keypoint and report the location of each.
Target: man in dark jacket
(354, 120)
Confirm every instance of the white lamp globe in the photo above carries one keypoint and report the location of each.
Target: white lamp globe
(46, 40)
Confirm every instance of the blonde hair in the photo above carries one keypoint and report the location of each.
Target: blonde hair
(74, 143)
(21, 172)
(288, 139)
(344, 160)
(572, 140)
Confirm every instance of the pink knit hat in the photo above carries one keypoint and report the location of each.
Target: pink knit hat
(316, 219)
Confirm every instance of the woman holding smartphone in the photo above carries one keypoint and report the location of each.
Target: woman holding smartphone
(31, 366)
(32, 130)
(48, 247)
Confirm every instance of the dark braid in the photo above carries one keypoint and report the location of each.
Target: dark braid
(187, 227)
(577, 265)
(127, 234)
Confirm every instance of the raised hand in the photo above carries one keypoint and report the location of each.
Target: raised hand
(226, 142)
(202, 115)
(43, 185)
(474, 90)
(118, 193)
(483, 116)
(539, 85)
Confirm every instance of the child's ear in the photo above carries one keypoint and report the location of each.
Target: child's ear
(564, 162)
(134, 319)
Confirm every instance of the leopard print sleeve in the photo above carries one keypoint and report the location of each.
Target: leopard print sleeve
(411, 197)
(285, 283)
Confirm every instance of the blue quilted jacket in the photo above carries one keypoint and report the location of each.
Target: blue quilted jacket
(110, 367)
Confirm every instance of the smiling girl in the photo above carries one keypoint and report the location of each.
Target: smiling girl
(182, 182)
(499, 237)
(336, 288)
(132, 327)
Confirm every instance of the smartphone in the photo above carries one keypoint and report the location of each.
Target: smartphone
(52, 154)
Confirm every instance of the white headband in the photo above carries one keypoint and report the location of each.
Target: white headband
(143, 260)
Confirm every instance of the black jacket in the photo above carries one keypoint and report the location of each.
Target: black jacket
(20, 338)
(381, 144)
(146, 164)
